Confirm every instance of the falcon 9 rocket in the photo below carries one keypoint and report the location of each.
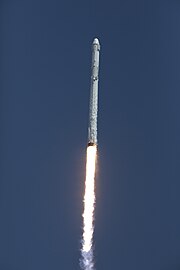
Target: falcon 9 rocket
(93, 106)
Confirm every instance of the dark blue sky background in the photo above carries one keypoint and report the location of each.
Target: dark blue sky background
(45, 58)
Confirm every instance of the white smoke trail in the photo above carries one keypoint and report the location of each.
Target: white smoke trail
(88, 214)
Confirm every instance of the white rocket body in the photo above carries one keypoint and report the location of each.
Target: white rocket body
(93, 107)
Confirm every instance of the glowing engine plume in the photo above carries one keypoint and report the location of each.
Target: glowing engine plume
(88, 214)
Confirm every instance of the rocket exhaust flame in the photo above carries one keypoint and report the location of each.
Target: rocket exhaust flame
(88, 214)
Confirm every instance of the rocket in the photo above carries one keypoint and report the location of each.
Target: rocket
(93, 105)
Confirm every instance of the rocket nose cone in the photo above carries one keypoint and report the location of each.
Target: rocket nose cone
(95, 41)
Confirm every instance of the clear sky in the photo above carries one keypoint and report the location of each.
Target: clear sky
(45, 58)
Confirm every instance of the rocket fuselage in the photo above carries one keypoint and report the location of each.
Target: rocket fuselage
(93, 106)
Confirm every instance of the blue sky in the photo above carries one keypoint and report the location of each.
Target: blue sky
(45, 54)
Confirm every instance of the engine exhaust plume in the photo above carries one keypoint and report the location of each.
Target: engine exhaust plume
(88, 214)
